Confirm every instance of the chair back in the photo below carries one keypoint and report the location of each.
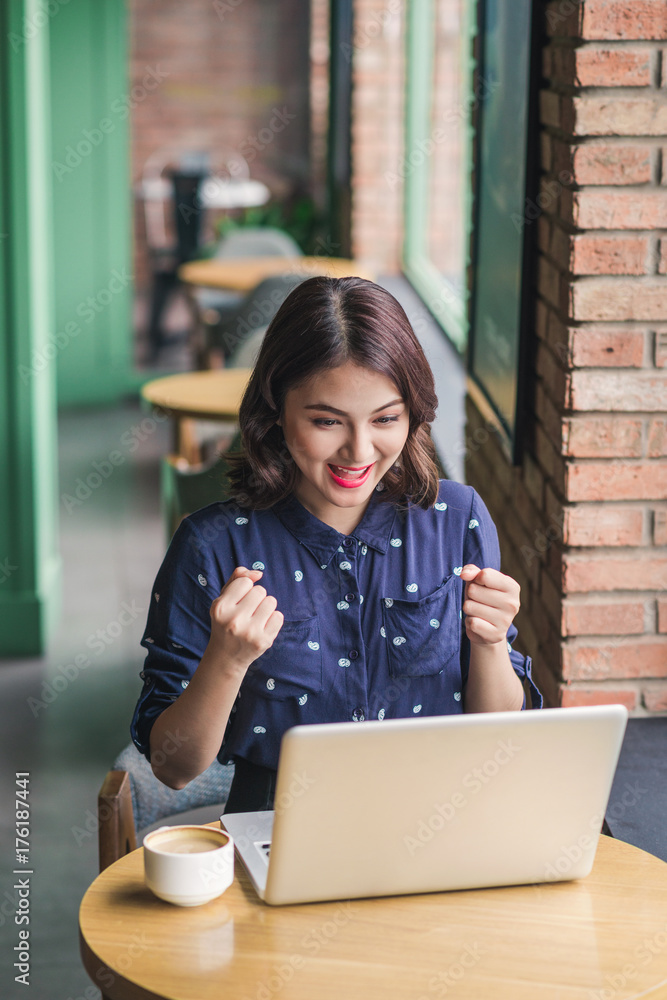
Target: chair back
(132, 799)
(257, 241)
(185, 490)
(256, 310)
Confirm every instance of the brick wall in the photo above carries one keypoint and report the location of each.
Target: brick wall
(216, 71)
(378, 66)
(588, 535)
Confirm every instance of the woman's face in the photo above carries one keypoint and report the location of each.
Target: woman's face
(344, 428)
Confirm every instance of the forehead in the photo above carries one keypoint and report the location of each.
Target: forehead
(350, 382)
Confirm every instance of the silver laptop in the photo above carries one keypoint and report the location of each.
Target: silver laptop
(431, 804)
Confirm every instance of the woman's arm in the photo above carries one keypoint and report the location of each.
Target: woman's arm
(491, 602)
(186, 737)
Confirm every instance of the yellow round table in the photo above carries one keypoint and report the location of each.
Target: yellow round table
(207, 395)
(242, 274)
(600, 938)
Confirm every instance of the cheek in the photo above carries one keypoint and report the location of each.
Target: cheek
(395, 442)
(305, 446)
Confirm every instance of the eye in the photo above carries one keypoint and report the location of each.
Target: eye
(386, 420)
(325, 421)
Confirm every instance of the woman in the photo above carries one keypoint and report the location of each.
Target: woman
(363, 557)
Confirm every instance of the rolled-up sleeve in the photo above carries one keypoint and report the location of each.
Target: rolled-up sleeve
(177, 630)
(482, 549)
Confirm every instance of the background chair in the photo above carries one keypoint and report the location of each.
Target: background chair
(254, 312)
(132, 801)
(213, 307)
(175, 216)
(185, 489)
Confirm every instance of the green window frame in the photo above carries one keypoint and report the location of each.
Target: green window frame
(490, 319)
(448, 304)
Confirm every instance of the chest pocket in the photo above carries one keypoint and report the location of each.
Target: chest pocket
(423, 636)
(292, 667)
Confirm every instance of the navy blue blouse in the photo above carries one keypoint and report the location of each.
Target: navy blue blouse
(373, 623)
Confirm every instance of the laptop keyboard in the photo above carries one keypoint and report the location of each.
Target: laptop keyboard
(264, 848)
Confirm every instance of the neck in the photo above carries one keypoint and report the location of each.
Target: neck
(343, 519)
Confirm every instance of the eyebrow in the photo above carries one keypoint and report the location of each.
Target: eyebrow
(341, 413)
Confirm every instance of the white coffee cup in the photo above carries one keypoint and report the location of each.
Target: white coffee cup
(188, 865)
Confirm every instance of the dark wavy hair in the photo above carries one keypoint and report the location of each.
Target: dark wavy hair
(322, 324)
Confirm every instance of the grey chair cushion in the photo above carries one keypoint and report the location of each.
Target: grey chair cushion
(152, 801)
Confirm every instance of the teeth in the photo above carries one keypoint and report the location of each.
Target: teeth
(348, 473)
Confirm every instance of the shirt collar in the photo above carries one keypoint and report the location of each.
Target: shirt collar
(323, 541)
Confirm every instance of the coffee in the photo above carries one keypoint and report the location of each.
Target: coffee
(188, 865)
(186, 841)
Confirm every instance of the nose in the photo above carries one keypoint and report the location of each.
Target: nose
(358, 449)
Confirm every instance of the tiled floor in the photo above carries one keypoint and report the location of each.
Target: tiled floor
(68, 736)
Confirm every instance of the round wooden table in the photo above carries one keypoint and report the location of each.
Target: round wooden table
(207, 395)
(600, 938)
(242, 274)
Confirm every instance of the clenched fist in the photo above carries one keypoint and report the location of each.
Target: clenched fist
(490, 604)
(244, 620)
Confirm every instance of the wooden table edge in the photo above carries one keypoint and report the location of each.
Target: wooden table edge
(124, 989)
(101, 975)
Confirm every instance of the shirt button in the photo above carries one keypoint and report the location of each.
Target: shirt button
(348, 542)
(349, 597)
(353, 654)
(358, 715)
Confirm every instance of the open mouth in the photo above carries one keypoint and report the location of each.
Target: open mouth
(347, 477)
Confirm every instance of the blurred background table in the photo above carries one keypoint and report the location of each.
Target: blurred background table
(207, 395)
(245, 273)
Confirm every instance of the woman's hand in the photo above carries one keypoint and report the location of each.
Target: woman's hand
(490, 603)
(244, 620)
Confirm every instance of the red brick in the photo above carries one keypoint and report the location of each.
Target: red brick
(657, 438)
(593, 254)
(607, 164)
(660, 349)
(643, 570)
(546, 671)
(626, 391)
(603, 618)
(620, 21)
(548, 55)
(587, 525)
(549, 456)
(562, 20)
(594, 209)
(611, 115)
(533, 477)
(602, 437)
(551, 597)
(662, 264)
(572, 696)
(660, 526)
(560, 248)
(607, 67)
(551, 372)
(550, 113)
(593, 299)
(618, 658)
(655, 699)
(616, 481)
(545, 150)
(548, 415)
(662, 614)
(595, 163)
(606, 348)
(552, 284)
